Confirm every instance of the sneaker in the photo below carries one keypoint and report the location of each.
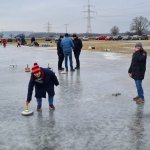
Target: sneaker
(140, 101)
(39, 108)
(51, 107)
(136, 98)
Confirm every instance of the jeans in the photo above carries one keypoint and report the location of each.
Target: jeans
(139, 88)
(66, 55)
(39, 101)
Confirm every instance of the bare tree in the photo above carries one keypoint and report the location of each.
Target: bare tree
(139, 25)
(114, 30)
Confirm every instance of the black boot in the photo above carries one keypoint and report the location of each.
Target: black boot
(77, 68)
(72, 69)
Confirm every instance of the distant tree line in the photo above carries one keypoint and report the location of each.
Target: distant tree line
(139, 26)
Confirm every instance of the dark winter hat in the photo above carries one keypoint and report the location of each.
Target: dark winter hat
(66, 34)
(138, 44)
(74, 35)
(35, 68)
(61, 36)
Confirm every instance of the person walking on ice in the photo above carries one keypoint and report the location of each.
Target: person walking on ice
(43, 80)
(137, 71)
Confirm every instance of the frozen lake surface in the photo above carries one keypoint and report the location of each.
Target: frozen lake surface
(87, 116)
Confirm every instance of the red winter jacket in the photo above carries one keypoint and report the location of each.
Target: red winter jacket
(4, 41)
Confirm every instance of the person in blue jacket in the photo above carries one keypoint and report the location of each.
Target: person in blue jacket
(43, 80)
(67, 46)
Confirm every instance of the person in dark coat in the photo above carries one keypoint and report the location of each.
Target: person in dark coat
(18, 43)
(32, 39)
(137, 71)
(60, 53)
(43, 80)
(77, 49)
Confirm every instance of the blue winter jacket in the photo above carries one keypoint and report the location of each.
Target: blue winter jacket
(44, 84)
(67, 45)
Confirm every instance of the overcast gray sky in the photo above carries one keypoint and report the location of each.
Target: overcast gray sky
(34, 15)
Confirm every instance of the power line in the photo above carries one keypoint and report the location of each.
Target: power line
(48, 27)
(89, 12)
(66, 25)
(125, 14)
(139, 5)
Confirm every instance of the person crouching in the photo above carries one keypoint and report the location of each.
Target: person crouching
(43, 80)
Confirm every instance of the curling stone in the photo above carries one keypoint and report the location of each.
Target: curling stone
(27, 112)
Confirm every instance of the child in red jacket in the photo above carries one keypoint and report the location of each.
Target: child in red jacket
(4, 42)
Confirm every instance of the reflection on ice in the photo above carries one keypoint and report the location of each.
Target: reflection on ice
(112, 56)
(87, 116)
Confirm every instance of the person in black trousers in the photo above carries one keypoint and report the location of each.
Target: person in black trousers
(137, 71)
(60, 54)
(77, 49)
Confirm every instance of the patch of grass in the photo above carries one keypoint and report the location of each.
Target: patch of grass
(114, 46)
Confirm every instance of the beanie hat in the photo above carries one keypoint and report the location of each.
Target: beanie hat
(138, 44)
(60, 36)
(35, 68)
(74, 35)
(66, 34)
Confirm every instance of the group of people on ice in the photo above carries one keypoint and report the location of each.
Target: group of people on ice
(65, 46)
(45, 79)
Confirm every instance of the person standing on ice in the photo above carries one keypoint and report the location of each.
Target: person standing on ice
(137, 71)
(67, 46)
(60, 54)
(43, 80)
(77, 49)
